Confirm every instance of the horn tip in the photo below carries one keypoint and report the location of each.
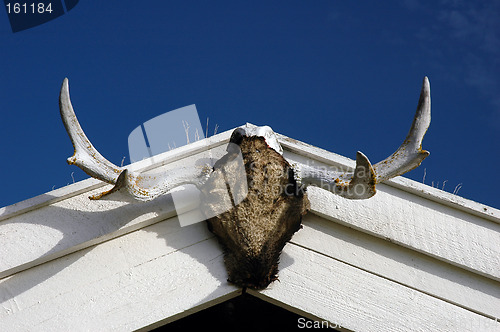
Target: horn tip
(425, 84)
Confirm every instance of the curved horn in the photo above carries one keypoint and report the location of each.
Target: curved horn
(361, 183)
(85, 156)
(410, 154)
(141, 187)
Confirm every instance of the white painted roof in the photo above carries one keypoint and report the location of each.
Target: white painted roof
(411, 258)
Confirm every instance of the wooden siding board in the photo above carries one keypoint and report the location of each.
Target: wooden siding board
(361, 301)
(407, 267)
(430, 226)
(74, 223)
(439, 231)
(381, 264)
(314, 155)
(127, 283)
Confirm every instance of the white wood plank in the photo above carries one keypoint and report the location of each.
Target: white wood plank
(454, 201)
(213, 142)
(155, 274)
(53, 196)
(437, 230)
(427, 222)
(151, 264)
(69, 225)
(360, 301)
(314, 155)
(55, 238)
(53, 230)
(404, 266)
(64, 220)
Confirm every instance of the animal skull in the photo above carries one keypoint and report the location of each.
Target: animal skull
(255, 229)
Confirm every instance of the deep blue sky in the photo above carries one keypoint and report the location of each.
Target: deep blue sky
(340, 75)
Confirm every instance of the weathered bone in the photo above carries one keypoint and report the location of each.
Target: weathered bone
(139, 186)
(361, 183)
(410, 154)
